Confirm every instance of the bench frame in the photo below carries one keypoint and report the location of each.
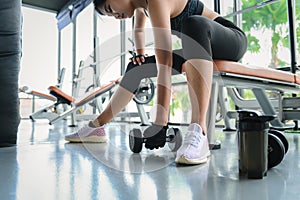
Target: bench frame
(224, 77)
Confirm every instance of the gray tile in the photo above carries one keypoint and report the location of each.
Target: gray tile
(44, 166)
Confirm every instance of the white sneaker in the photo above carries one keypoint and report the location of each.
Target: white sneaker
(195, 148)
(88, 134)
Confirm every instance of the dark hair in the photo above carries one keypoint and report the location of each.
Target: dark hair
(97, 4)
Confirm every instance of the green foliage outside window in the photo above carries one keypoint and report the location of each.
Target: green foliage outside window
(272, 17)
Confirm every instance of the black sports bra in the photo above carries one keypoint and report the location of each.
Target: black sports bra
(192, 7)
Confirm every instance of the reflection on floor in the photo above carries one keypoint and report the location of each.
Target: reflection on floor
(44, 166)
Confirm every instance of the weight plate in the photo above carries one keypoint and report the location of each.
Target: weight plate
(283, 139)
(145, 92)
(135, 140)
(175, 139)
(275, 151)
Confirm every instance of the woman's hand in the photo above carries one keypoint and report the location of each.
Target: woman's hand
(138, 58)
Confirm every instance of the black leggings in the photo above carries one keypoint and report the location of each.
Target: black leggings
(202, 38)
(135, 73)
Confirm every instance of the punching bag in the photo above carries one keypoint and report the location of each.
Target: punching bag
(10, 52)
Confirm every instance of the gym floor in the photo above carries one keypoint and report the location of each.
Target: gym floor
(44, 166)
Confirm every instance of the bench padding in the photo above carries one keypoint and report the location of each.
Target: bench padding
(65, 98)
(60, 95)
(262, 72)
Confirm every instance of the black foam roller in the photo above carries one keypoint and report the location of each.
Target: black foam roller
(10, 55)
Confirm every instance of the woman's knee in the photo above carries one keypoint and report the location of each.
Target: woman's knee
(130, 66)
(135, 73)
(131, 79)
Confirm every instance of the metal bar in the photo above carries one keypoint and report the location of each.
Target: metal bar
(211, 114)
(223, 101)
(143, 115)
(258, 5)
(292, 36)
(292, 33)
(266, 106)
(58, 56)
(123, 45)
(74, 55)
(217, 6)
(96, 56)
(96, 51)
(238, 18)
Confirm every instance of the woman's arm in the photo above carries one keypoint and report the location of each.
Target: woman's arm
(139, 32)
(160, 12)
(139, 35)
(209, 13)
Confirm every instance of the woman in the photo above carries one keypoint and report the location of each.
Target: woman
(205, 36)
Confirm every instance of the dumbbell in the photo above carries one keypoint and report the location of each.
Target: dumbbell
(136, 139)
(277, 147)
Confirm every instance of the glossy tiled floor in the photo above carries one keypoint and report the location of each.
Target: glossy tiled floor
(43, 166)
